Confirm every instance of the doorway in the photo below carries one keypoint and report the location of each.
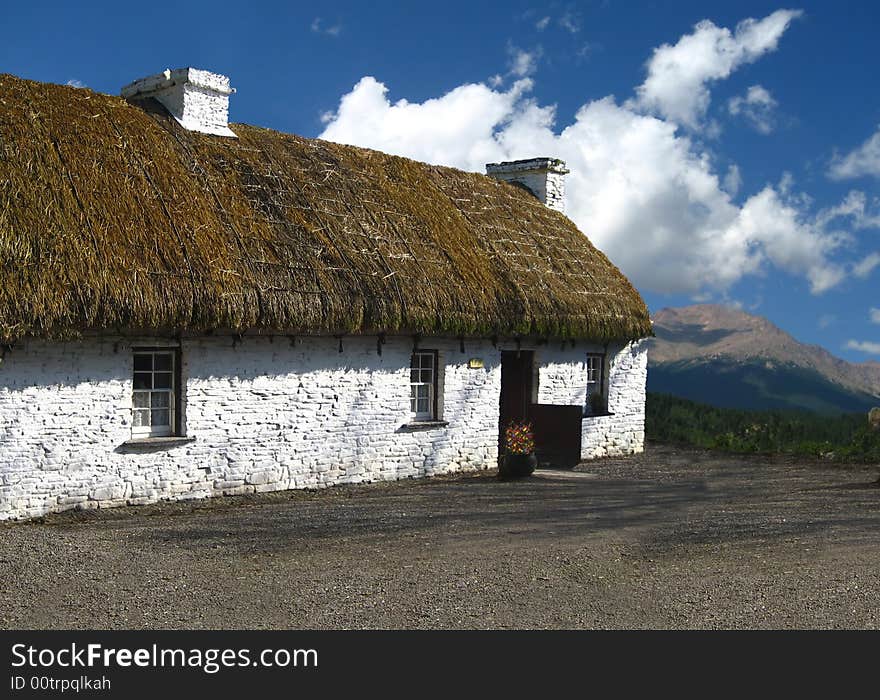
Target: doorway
(517, 378)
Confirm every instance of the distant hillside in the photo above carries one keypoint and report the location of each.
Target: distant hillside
(723, 357)
(846, 438)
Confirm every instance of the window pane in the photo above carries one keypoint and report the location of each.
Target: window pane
(162, 361)
(414, 375)
(423, 406)
(161, 399)
(141, 418)
(162, 380)
(427, 360)
(422, 390)
(426, 376)
(143, 362)
(161, 417)
(141, 399)
(412, 405)
(143, 380)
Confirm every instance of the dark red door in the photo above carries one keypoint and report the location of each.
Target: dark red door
(517, 368)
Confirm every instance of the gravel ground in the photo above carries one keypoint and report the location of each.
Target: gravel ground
(673, 538)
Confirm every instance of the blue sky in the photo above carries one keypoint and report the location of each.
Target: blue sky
(726, 153)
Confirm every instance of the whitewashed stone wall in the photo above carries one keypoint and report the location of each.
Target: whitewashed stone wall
(265, 415)
(623, 431)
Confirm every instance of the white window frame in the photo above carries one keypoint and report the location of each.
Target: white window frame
(418, 369)
(142, 396)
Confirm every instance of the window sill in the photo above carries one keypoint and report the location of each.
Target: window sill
(157, 442)
(601, 414)
(423, 425)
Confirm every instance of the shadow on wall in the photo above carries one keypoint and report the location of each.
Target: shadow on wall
(41, 364)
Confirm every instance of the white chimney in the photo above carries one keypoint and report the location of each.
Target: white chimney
(543, 177)
(197, 99)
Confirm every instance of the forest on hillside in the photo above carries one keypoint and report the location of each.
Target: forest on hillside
(844, 437)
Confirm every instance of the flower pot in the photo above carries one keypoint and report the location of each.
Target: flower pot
(517, 465)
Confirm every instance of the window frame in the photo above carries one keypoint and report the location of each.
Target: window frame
(598, 374)
(433, 388)
(173, 428)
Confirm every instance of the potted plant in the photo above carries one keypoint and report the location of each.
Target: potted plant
(519, 451)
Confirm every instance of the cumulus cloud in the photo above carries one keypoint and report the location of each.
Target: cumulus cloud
(677, 85)
(73, 82)
(757, 107)
(865, 346)
(644, 193)
(864, 160)
(456, 129)
(542, 23)
(874, 315)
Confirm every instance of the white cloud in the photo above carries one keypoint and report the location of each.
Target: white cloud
(733, 180)
(646, 195)
(570, 22)
(455, 129)
(523, 63)
(865, 346)
(866, 265)
(334, 30)
(874, 315)
(73, 82)
(864, 160)
(854, 207)
(757, 106)
(678, 76)
(542, 23)
(586, 50)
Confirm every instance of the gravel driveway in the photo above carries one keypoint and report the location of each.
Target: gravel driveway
(672, 538)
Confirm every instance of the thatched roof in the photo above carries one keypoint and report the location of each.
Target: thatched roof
(113, 217)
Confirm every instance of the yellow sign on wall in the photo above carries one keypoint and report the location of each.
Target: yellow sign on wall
(475, 363)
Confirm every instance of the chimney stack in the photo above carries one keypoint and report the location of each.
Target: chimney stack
(197, 99)
(543, 177)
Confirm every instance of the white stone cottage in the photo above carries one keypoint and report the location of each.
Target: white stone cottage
(191, 308)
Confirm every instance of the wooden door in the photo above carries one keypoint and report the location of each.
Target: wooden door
(517, 376)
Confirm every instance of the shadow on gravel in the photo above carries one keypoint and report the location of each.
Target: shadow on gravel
(869, 486)
(665, 498)
(543, 507)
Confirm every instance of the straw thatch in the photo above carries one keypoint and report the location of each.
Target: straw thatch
(113, 217)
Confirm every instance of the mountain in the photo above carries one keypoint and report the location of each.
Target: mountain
(724, 357)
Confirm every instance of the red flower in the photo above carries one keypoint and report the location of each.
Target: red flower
(519, 438)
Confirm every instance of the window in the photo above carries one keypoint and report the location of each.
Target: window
(595, 385)
(423, 385)
(154, 397)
